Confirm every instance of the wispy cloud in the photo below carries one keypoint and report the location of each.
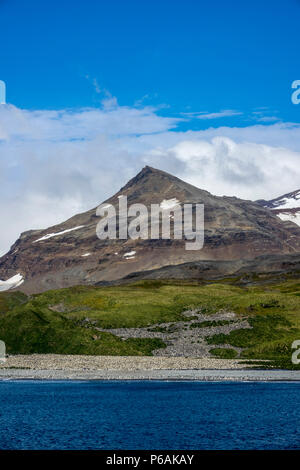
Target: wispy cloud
(264, 114)
(268, 119)
(96, 86)
(219, 114)
(104, 94)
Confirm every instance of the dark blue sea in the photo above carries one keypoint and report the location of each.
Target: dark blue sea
(149, 415)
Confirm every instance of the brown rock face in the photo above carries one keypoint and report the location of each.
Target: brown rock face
(234, 229)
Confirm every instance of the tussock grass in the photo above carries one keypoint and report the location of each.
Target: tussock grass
(224, 353)
(53, 321)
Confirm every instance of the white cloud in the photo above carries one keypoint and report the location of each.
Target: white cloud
(64, 125)
(57, 163)
(225, 167)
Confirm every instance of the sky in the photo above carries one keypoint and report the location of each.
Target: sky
(96, 89)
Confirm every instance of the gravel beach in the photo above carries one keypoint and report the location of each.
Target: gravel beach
(60, 367)
(117, 363)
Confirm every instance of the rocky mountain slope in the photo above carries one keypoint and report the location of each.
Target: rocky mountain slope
(286, 207)
(244, 271)
(70, 253)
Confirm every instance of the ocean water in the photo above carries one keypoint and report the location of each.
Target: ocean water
(149, 415)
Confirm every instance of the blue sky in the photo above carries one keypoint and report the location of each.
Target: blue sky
(187, 56)
(96, 89)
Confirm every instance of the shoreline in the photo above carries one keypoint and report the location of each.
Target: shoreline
(209, 375)
(116, 368)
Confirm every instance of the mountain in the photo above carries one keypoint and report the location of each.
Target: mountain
(70, 253)
(286, 207)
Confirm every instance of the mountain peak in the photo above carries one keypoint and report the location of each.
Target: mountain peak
(71, 253)
(146, 172)
(159, 183)
(149, 169)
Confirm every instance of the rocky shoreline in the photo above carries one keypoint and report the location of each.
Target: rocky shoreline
(115, 363)
(199, 375)
(64, 367)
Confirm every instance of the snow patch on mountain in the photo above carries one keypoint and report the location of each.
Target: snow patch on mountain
(288, 202)
(168, 204)
(289, 216)
(51, 235)
(11, 283)
(129, 255)
(286, 207)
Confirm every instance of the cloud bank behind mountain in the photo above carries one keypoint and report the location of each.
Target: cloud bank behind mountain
(59, 162)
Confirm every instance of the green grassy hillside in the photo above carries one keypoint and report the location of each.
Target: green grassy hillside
(64, 321)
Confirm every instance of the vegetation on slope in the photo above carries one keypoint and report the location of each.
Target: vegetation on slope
(32, 329)
(65, 320)
(224, 353)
